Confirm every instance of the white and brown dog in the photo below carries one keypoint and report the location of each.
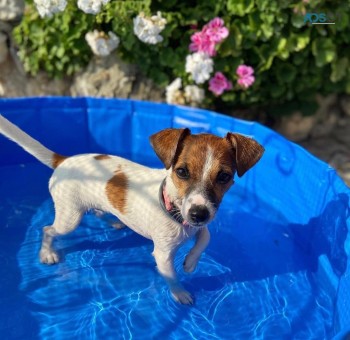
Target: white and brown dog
(168, 206)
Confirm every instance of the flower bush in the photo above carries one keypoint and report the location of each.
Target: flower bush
(225, 54)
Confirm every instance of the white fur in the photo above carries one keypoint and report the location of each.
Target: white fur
(208, 165)
(197, 196)
(79, 184)
(29, 144)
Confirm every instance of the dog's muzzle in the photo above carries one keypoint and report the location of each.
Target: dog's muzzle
(171, 210)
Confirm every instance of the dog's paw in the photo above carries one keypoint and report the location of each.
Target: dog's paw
(190, 263)
(48, 256)
(182, 296)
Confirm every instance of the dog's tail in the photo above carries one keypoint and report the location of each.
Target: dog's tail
(29, 144)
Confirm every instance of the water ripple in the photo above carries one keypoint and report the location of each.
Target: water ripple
(106, 288)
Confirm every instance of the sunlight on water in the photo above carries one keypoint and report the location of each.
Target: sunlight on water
(253, 282)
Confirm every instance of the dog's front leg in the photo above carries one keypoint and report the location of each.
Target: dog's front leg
(165, 265)
(192, 258)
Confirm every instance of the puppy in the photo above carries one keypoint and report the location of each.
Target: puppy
(168, 206)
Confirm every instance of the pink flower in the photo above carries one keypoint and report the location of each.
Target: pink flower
(219, 83)
(211, 34)
(245, 76)
(201, 43)
(216, 30)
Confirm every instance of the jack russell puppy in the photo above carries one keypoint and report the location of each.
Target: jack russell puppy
(168, 206)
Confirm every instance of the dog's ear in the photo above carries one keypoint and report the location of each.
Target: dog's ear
(167, 144)
(247, 150)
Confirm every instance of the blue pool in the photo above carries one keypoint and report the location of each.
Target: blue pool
(277, 266)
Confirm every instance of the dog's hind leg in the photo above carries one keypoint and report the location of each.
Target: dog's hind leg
(66, 220)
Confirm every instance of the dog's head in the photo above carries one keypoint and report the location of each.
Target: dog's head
(201, 169)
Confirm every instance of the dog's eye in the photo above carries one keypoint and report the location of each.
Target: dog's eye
(182, 173)
(223, 177)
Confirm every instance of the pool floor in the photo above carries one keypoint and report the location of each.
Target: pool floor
(253, 282)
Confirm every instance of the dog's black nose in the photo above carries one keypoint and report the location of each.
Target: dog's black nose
(199, 213)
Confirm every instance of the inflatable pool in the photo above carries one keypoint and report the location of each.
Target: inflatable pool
(277, 266)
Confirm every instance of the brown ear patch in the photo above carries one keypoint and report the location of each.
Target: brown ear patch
(116, 191)
(167, 144)
(101, 157)
(248, 152)
(57, 160)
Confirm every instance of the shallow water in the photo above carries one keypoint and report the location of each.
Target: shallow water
(255, 281)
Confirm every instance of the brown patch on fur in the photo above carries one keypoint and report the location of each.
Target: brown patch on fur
(57, 160)
(194, 155)
(102, 157)
(248, 152)
(116, 191)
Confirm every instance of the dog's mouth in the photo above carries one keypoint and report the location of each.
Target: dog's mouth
(173, 208)
(197, 217)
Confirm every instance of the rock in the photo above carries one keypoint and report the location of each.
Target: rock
(326, 124)
(323, 148)
(43, 85)
(344, 172)
(345, 104)
(327, 115)
(11, 10)
(342, 133)
(296, 127)
(339, 159)
(110, 77)
(15, 83)
(3, 47)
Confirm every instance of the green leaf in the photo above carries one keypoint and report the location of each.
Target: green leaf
(324, 51)
(168, 57)
(60, 52)
(280, 47)
(285, 72)
(240, 7)
(267, 30)
(277, 90)
(266, 57)
(228, 97)
(299, 41)
(342, 20)
(297, 20)
(299, 59)
(339, 69)
(265, 5)
(232, 44)
(254, 21)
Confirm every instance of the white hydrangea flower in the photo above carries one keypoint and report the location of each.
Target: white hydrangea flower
(101, 43)
(194, 94)
(200, 65)
(91, 6)
(147, 29)
(172, 91)
(47, 8)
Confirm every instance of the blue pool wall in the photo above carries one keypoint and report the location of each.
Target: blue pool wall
(305, 190)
